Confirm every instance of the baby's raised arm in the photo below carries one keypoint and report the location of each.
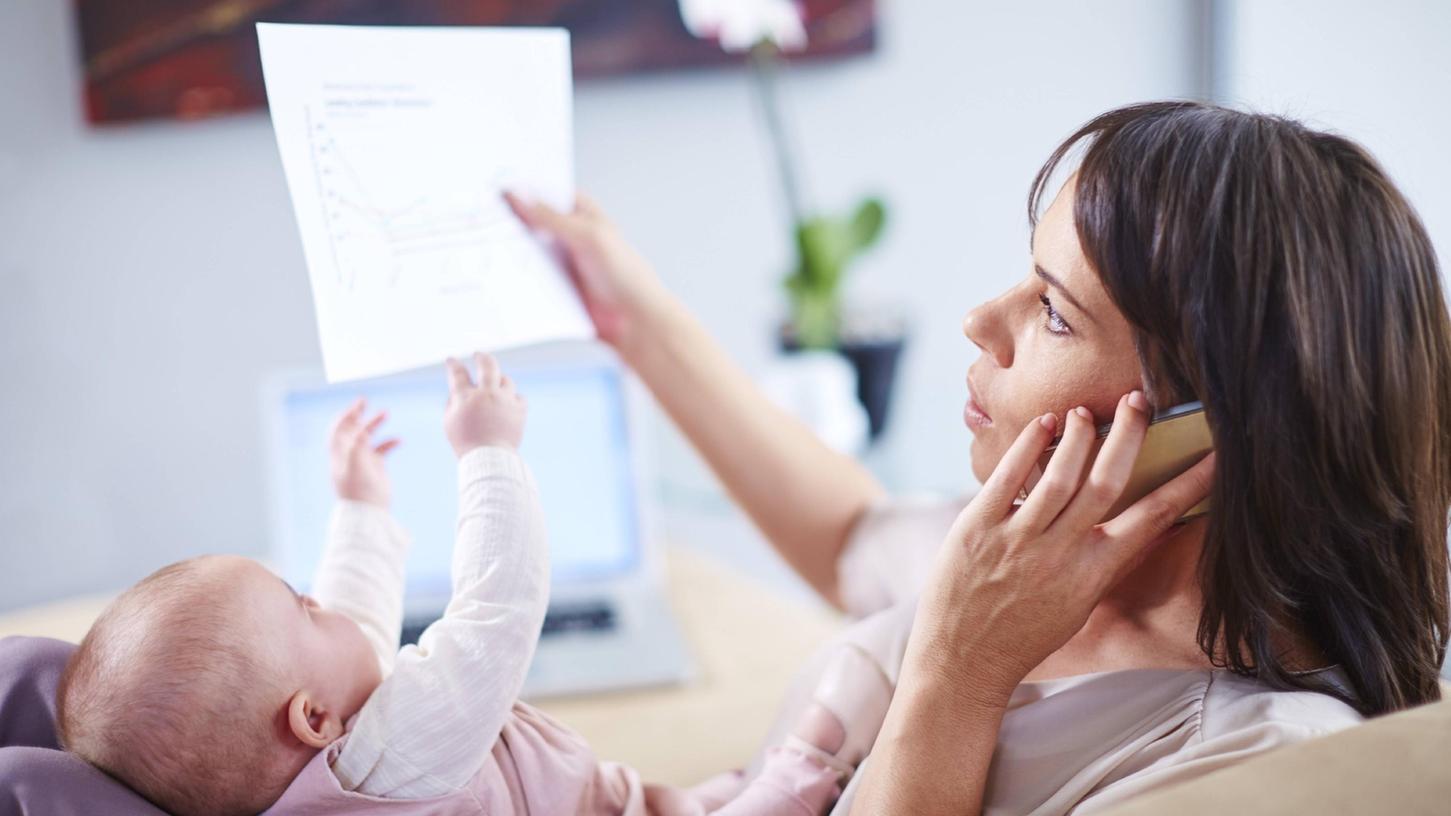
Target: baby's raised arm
(361, 571)
(432, 724)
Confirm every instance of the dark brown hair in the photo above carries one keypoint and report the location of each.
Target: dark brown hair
(1276, 274)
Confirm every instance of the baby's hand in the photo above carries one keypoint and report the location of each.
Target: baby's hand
(357, 464)
(490, 413)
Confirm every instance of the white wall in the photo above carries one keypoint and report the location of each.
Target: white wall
(152, 274)
(1379, 73)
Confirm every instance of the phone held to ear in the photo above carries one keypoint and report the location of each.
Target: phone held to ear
(1177, 438)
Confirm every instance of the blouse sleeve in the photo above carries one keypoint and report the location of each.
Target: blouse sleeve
(889, 553)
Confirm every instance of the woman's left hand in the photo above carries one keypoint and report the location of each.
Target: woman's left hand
(1014, 584)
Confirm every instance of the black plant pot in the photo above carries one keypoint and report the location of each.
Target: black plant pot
(875, 360)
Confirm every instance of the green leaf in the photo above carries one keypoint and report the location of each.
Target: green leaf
(826, 246)
(823, 249)
(866, 223)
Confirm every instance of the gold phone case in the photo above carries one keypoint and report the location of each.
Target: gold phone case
(1177, 438)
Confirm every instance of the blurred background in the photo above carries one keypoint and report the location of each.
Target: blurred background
(153, 277)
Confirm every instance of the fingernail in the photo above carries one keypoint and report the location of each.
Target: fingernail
(1049, 421)
(1084, 412)
(1137, 401)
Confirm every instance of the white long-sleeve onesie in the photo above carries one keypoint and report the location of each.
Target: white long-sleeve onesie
(432, 723)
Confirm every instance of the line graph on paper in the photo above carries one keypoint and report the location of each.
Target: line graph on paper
(396, 213)
(397, 144)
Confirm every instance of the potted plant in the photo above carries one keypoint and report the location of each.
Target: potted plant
(825, 244)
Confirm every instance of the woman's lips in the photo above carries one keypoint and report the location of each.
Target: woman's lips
(973, 414)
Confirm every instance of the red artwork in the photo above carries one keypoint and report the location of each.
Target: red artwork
(188, 59)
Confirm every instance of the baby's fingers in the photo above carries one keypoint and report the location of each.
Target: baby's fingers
(488, 370)
(375, 422)
(458, 376)
(350, 415)
(387, 446)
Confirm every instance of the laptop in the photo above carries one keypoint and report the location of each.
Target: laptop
(609, 624)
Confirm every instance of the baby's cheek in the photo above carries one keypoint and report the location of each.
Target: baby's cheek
(360, 655)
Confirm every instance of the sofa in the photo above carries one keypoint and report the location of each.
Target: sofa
(1399, 764)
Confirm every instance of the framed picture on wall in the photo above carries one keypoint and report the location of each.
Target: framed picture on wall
(188, 59)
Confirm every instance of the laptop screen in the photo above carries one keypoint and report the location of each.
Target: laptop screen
(575, 442)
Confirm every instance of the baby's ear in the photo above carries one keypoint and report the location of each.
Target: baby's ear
(313, 725)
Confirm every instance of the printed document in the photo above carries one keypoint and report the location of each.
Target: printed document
(397, 143)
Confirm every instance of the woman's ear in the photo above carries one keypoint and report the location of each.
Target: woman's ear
(313, 725)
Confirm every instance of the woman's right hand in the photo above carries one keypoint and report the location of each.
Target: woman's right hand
(1014, 584)
(617, 285)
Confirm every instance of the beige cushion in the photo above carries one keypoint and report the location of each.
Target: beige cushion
(1395, 764)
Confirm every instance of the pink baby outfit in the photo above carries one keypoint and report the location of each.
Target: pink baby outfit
(538, 766)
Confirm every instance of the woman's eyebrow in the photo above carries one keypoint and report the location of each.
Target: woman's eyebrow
(1057, 284)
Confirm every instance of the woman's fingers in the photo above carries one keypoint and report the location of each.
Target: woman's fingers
(585, 205)
(1061, 478)
(1002, 487)
(1128, 533)
(384, 447)
(540, 216)
(1111, 468)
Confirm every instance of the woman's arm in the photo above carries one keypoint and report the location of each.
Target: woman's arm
(802, 495)
(933, 752)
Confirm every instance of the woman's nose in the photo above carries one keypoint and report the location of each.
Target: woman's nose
(984, 327)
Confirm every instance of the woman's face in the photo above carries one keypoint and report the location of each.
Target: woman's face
(1053, 342)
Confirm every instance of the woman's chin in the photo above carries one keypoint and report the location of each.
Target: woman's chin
(983, 461)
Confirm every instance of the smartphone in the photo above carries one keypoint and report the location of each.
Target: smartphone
(1177, 438)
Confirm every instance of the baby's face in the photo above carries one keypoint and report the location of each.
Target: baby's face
(325, 650)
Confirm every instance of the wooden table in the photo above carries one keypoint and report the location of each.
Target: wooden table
(746, 642)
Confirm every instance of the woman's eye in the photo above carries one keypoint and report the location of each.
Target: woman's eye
(1055, 322)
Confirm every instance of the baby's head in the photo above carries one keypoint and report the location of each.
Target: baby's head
(210, 684)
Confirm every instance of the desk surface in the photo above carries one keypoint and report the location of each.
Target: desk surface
(746, 641)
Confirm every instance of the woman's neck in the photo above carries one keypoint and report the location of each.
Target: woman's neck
(1150, 619)
(1152, 614)
(1167, 576)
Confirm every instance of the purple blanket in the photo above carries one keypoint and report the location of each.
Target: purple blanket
(36, 777)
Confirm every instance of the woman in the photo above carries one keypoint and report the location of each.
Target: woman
(1061, 661)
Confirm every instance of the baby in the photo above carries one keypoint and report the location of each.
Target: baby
(211, 687)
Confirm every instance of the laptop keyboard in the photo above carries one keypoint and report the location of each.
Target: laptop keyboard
(594, 616)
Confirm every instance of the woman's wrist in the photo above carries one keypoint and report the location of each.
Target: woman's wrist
(947, 658)
(935, 747)
(652, 319)
(970, 685)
